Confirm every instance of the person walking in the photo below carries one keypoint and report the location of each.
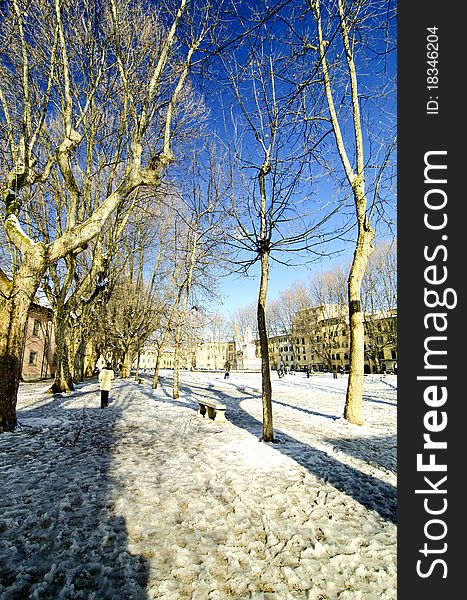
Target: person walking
(105, 383)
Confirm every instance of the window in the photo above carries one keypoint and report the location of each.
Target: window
(36, 328)
(32, 359)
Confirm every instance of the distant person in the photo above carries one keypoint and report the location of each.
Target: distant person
(106, 377)
(227, 370)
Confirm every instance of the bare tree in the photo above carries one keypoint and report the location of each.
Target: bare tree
(292, 303)
(328, 294)
(202, 238)
(340, 27)
(57, 60)
(243, 317)
(275, 215)
(379, 296)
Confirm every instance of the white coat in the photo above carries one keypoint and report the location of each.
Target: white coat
(105, 379)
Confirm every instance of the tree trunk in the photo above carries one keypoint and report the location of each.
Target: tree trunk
(137, 367)
(79, 356)
(155, 381)
(15, 298)
(268, 432)
(90, 358)
(126, 364)
(13, 319)
(353, 411)
(177, 352)
(63, 377)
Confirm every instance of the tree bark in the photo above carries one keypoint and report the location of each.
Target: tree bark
(137, 366)
(353, 410)
(15, 300)
(266, 389)
(177, 352)
(63, 376)
(79, 350)
(155, 381)
(13, 319)
(126, 364)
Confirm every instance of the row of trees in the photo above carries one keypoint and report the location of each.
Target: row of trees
(116, 206)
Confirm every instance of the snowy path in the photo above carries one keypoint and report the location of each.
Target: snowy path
(147, 500)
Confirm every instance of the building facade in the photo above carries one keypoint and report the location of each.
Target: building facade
(320, 341)
(39, 344)
(204, 356)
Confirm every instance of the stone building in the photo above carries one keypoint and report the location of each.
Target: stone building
(206, 355)
(320, 341)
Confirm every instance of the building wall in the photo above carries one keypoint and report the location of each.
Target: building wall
(39, 345)
(205, 355)
(320, 341)
(148, 357)
(214, 355)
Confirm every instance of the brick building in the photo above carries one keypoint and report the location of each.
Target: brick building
(39, 344)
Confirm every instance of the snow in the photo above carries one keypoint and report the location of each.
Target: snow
(146, 499)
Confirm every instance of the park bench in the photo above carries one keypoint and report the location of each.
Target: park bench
(214, 410)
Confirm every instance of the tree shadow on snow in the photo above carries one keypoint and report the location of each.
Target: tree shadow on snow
(377, 450)
(369, 491)
(59, 536)
(306, 410)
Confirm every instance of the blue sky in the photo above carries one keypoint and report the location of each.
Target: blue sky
(240, 291)
(380, 119)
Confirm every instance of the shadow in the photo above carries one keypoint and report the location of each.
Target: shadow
(60, 537)
(369, 491)
(306, 410)
(332, 390)
(377, 451)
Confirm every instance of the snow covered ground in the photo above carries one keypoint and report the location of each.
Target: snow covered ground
(146, 499)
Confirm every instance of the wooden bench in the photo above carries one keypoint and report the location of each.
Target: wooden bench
(214, 410)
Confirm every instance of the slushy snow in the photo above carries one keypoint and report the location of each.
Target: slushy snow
(147, 499)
